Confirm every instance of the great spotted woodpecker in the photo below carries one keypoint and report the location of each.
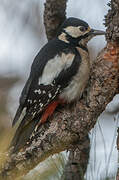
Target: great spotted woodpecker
(59, 74)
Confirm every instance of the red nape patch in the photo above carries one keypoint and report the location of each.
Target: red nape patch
(49, 110)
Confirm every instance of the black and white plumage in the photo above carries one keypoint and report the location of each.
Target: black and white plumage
(59, 72)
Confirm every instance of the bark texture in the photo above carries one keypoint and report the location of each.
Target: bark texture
(66, 128)
(54, 15)
(78, 161)
(112, 21)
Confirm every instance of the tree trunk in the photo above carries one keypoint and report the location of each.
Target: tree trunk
(54, 15)
(77, 161)
(112, 24)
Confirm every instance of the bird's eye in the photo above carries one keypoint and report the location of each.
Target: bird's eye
(82, 29)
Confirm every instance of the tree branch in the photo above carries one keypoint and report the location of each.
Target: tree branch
(54, 15)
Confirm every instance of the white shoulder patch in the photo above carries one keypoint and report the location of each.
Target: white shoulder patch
(55, 66)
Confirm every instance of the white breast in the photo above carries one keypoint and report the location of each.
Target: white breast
(78, 83)
(55, 66)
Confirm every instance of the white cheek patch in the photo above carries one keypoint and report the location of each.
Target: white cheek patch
(54, 67)
(73, 31)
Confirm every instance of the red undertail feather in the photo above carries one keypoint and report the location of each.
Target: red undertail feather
(50, 110)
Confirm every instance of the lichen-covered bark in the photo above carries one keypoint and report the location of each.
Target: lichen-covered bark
(66, 128)
(112, 21)
(54, 15)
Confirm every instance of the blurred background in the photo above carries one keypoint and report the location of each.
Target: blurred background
(22, 34)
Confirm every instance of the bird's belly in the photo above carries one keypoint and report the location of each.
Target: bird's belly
(76, 87)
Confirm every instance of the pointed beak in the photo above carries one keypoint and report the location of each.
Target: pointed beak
(97, 32)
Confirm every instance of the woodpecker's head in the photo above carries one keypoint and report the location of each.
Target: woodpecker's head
(75, 31)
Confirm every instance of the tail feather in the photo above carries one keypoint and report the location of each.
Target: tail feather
(17, 115)
(22, 135)
(29, 123)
